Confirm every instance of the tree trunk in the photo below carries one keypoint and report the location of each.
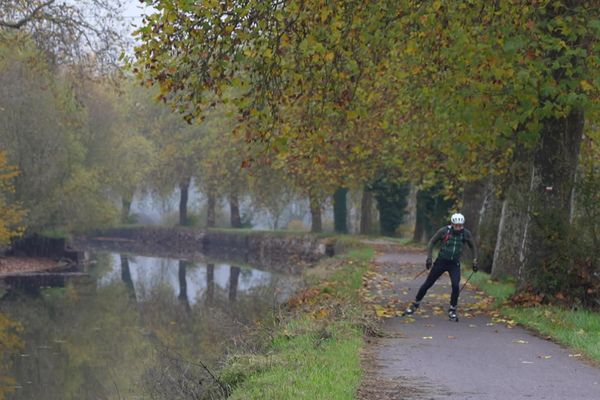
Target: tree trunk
(210, 283)
(514, 219)
(234, 207)
(125, 209)
(473, 197)
(210, 209)
(340, 210)
(183, 294)
(491, 208)
(126, 276)
(432, 213)
(234, 278)
(546, 252)
(366, 213)
(184, 188)
(420, 219)
(410, 217)
(315, 213)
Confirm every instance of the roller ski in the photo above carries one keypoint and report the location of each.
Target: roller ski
(452, 314)
(410, 310)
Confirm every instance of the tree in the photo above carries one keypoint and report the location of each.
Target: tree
(299, 87)
(271, 191)
(10, 342)
(340, 210)
(12, 214)
(518, 76)
(392, 197)
(48, 145)
(171, 147)
(220, 167)
(449, 93)
(86, 32)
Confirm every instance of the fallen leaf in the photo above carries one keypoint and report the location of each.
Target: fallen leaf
(427, 337)
(451, 337)
(520, 341)
(545, 357)
(575, 355)
(526, 362)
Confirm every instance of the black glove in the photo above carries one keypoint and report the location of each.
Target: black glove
(475, 266)
(428, 263)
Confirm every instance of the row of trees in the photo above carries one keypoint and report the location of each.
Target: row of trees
(80, 137)
(485, 99)
(480, 105)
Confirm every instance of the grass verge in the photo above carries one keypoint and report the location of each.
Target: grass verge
(314, 350)
(577, 329)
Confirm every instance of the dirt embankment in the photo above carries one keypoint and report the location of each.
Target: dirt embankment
(12, 264)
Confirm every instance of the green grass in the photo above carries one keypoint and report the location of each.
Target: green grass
(500, 291)
(311, 358)
(576, 329)
(308, 364)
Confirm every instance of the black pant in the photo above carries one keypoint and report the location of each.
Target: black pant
(439, 267)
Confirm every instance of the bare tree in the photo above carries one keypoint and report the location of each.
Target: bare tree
(87, 32)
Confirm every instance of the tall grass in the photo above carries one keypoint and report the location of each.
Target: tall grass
(312, 356)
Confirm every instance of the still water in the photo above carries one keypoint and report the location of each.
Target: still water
(132, 327)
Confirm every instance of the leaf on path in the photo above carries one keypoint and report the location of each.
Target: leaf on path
(472, 326)
(520, 341)
(575, 355)
(427, 337)
(545, 357)
(490, 324)
(451, 337)
(526, 362)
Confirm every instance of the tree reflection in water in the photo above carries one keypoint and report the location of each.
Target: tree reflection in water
(140, 327)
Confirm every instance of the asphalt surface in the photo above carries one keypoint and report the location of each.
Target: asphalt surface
(429, 357)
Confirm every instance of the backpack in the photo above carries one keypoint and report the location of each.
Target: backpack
(448, 235)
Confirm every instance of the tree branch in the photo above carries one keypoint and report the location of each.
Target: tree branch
(18, 24)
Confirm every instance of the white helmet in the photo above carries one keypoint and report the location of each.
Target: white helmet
(457, 219)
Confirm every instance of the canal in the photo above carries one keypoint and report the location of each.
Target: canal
(127, 326)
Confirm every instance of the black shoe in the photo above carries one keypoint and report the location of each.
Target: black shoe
(410, 310)
(452, 314)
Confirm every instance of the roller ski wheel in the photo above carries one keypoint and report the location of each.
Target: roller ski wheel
(410, 310)
(452, 315)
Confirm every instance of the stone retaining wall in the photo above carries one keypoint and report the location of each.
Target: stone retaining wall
(280, 252)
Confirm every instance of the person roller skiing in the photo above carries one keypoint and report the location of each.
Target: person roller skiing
(452, 238)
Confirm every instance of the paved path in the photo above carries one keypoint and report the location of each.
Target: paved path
(430, 357)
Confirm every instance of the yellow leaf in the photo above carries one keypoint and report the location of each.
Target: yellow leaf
(586, 86)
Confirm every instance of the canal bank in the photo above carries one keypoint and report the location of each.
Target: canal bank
(131, 317)
(312, 348)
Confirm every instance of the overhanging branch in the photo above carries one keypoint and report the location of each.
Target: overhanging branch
(20, 23)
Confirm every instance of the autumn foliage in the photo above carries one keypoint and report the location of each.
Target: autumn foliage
(11, 214)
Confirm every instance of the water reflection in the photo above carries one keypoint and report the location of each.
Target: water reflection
(135, 328)
(144, 274)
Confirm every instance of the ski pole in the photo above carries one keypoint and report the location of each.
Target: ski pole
(464, 284)
(420, 273)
